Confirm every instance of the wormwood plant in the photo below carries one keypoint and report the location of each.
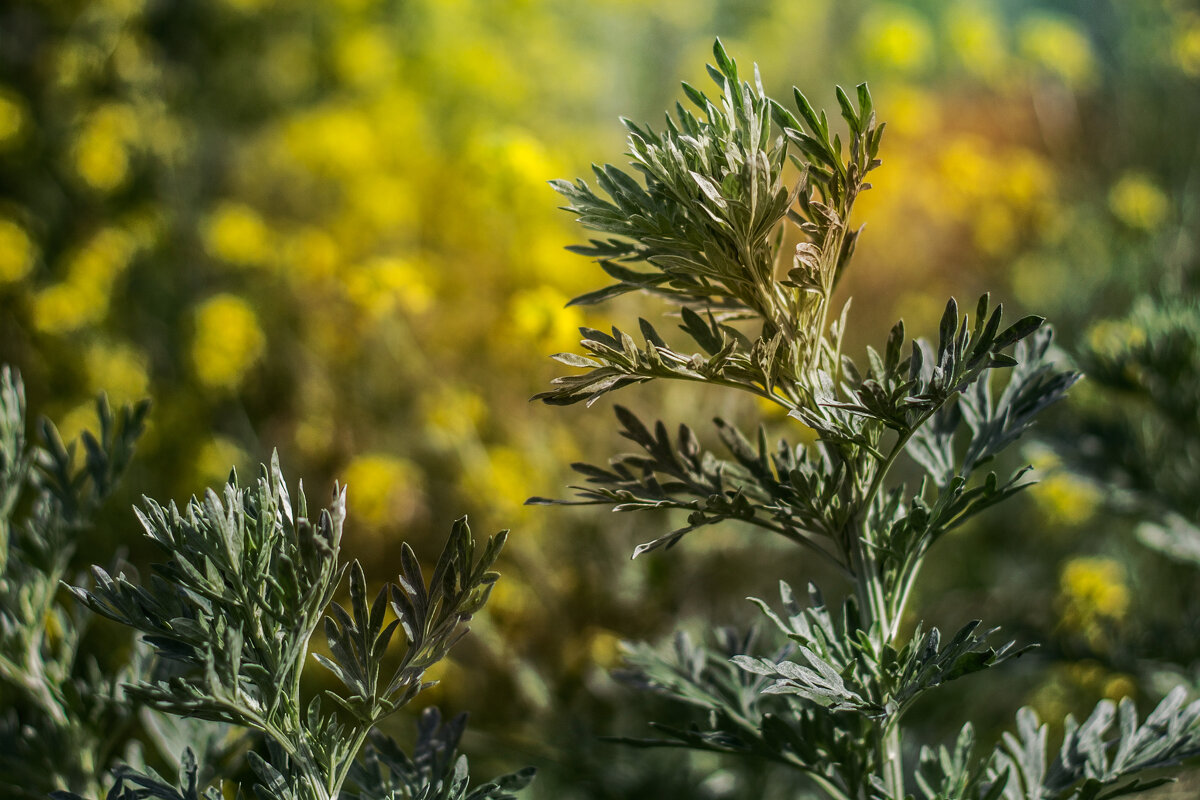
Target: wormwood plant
(247, 578)
(707, 228)
(65, 715)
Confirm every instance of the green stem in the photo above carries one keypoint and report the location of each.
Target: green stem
(890, 761)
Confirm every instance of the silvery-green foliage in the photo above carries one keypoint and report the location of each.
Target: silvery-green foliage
(435, 771)
(248, 577)
(1096, 755)
(1143, 444)
(705, 228)
(66, 716)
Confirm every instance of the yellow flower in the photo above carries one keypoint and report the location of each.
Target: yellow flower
(994, 229)
(382, 489)
(897, 37)
(118, 369)
(384, 202)
(385, 285)
(227, 341)
(977, 37)
(83, 297)
(1112, 337)
(1092, 591)
(13, 118)
(542, 315)
(1065, 499)
(967, 166)
(1027, 179)
(364, 57)
(101, 151)
(335, 140)
(97, 264)
(216, 458)
(237, 234)
(18, 253)
(909, 111)
(1057, 45)
(453, 414)
(1138, 202)
(1185, 49)
(504, 480)
(65, 307)
(311, 255)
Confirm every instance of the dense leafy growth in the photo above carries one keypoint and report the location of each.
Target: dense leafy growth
(248, 576)
(65, 716)
(706, 228)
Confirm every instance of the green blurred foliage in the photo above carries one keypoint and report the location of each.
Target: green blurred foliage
(324, 226)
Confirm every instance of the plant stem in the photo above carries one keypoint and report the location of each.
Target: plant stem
(890, 761)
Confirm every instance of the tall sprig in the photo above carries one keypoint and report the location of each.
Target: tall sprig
(707, 225)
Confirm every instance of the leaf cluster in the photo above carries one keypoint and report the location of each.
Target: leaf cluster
(65, 714)
(248, 577)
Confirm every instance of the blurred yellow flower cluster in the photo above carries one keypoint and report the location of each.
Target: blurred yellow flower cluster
(227, 342)
(1093, 597)
(18, 253)
(83, 296)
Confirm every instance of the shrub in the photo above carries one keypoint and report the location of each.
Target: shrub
(706, 229)
(248, 576)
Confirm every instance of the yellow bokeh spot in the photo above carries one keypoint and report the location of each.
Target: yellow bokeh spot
(1065, 499)
(101, 151)
(311, 255)
(1057, 45)
(237, 234)
(1138, 202)
(83, 297)
(382, 489)
(994, 229)
(967, 166)
(18, 253)
(340, 141)
(453, 414)
(510, 600)
(1185, 49)
(102, 259)
(227, 343)
(504, 480)
(364, 57)
(13, 118)
(1111, 337)
(977, 37)
(1119, 686)
(909, 111)
(386, 285)
(65, 307)
(1092, 591)
(118, 369)
(541, 315)
(216, 458)
(1027, 179)
(288, 65)
(79, 419)
(383, 202)
(604, 648)
(898, 38)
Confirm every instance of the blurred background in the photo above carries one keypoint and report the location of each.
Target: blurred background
(324, 227)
